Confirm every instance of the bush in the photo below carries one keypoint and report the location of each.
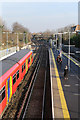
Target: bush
(75, 40)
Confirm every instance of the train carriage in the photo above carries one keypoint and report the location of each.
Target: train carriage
(13, 71)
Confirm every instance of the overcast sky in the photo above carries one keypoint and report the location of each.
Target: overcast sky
(40, 16)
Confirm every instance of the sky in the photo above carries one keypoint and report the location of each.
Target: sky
(40, 16)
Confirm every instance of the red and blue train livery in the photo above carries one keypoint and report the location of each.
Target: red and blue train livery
(12, 71)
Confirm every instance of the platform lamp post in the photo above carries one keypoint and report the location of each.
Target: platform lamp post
(1, 30)
(69, 48)
(7, 39)
(69, 52)
(10, 32)
(7, 33)
(56, 41)
(17, 35)
(12, 38)
(60, 47)
(17, 41)
(24, 36)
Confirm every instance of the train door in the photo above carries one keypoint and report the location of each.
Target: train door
(9, 88)
(30, 60)
(26, 65)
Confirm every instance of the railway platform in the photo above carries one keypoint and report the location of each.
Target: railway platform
(59, 106)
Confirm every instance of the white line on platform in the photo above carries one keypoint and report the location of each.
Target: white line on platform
(76, 94)
(51, 87)
(72, 75)
(76, 84)
(67, 85)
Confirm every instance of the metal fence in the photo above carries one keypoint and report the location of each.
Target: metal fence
(7, 52)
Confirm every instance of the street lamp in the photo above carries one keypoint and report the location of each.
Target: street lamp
(69, 48)
(7, 38)
(56, 41)
(24, 36)
(60, 47)
(17, 41)
(69, 53)
(1, 29)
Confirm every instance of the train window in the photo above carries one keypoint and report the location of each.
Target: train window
(17, 74)
(24, 65)
(14, 78)
(22, 68)
(2, 94)
(28, 60)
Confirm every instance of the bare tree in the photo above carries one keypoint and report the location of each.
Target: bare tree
(16, 27)
(3, 25)
(3, 28)
(66, 28)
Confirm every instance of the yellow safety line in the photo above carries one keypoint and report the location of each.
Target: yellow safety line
(71, 59)
(61, 93)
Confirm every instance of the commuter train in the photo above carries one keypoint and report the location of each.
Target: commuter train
(12, 71)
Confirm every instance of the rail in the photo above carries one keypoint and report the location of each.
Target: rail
(43, 105)
(26, 100)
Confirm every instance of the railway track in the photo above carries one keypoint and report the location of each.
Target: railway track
(34, 109)
(29, 101)
(16, 100)
(37, 105)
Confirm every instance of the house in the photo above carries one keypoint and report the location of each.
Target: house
(76, 29)
(73, 28)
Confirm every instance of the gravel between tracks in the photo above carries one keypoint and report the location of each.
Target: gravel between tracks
(36, 102)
